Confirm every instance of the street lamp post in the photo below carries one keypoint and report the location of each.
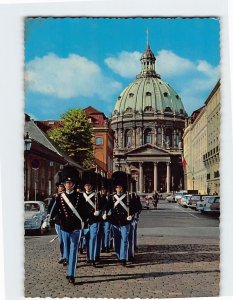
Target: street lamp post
(27, 148)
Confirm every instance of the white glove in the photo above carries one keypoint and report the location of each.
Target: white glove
(129, 218)
(45, 224)
(96, 213)
(104, 216)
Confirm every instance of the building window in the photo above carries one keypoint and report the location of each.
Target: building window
(131, 95)
(159, 137)
(128, 138)
(165, 94)
(148, 94)
(99, 141)
(148, 136)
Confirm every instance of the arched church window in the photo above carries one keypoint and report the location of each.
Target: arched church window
(165, 94)
(148, 136)
(148, 108)
(119, 97)
(128, 138)
(168, 109)
(159, 136)
(181, 111)
(177, 97)
(148, 93)
(131, 95)
(168, 137)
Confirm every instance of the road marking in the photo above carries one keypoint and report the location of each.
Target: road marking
(193, 215)
(182, 209)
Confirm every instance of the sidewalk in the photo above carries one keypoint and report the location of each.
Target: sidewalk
(165, 267)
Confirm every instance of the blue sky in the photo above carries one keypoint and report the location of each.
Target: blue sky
(77, 62)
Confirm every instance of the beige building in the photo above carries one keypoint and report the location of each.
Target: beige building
(201, 146)
(211, 157)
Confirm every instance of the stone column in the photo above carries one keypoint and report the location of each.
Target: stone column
(121, 138)
(141, 136)
(155, 136)
(140, 177)
(133, 144)
(168, 176)
(162, 137)
(155, 176)
(174, 138)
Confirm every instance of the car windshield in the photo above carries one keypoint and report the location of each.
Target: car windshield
(196, 197)
(31, 207)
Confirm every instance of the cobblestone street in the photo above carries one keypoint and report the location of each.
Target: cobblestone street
(165, 267)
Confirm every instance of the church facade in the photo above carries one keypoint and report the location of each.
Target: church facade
(148, 122)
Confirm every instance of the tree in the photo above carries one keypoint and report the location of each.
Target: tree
(75, 137)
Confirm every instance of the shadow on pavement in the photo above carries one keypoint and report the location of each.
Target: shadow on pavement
(127, 276)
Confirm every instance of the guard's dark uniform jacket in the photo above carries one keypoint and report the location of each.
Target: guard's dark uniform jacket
(98, 203)
(118, 213)
(54, 214)
(68, 220)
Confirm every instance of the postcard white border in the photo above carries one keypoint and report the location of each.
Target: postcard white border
(12, 117)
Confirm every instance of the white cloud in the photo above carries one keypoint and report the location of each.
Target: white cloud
(126, 64)
(169, 64)
(74, 76)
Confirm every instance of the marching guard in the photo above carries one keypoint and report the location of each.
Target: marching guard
(94, 204)
(121, 207)
(53, 214)
(72, 210)
(103, 236)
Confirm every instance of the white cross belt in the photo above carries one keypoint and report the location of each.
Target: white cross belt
(119, 201)
(88, 199)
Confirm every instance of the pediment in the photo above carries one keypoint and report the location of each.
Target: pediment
(148, 150)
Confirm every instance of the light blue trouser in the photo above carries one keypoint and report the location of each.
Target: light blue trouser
(99, 238)
(107, 234)
(121, 234)
(91, 241)
(131, 238)
(71, 241)
(61, 245)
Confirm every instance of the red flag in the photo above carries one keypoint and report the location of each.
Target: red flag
(184, 163)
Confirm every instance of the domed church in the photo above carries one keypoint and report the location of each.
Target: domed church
(148, 121)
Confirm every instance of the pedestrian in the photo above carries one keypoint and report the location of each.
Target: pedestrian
(155, 199)
(119, 205)
(56, 217)
(94, 204)
(71, 206)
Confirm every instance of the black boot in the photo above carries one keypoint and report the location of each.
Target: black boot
(71, 280)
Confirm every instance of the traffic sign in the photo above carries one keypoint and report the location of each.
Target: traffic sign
(35, 163)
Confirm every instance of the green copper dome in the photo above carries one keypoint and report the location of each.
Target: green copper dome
(148, 93)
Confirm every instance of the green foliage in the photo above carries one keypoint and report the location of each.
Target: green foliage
(75, 136)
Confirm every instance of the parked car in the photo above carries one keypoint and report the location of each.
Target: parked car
(212, 205)
(200, 204)
(170, 198)
(178, 195)
(184, 200)
(192, 203)
(34, 215)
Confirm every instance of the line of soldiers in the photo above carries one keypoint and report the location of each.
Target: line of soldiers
(90, 215)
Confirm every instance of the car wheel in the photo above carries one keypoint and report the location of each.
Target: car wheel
(39, 231)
